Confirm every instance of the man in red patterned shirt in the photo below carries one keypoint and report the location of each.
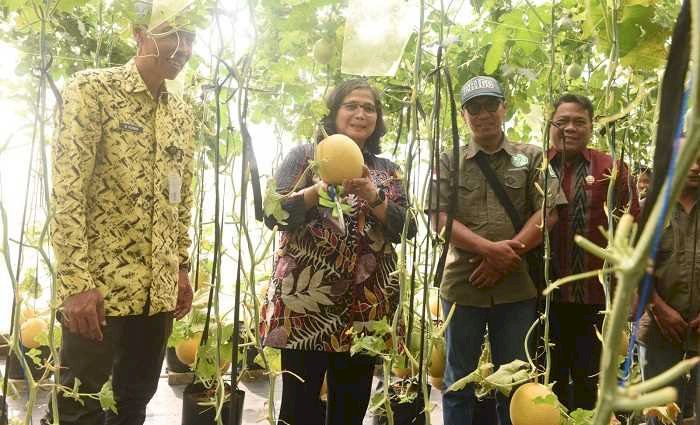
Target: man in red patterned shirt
(585, 175)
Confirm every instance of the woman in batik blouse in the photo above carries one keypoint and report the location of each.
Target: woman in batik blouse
(329, 281)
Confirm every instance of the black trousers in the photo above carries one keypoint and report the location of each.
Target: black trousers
(576, 353)
(132, 351)
(349, 387)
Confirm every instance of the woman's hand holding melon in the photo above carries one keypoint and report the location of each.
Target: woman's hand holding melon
(362, 187)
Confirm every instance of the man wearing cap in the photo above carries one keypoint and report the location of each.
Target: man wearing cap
(576, 310)
(485, 276)
(122, 168)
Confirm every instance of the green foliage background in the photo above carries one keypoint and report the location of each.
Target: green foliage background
(620, 45)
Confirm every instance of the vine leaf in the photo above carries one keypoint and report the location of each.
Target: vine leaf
(272, 204)
(107, 397)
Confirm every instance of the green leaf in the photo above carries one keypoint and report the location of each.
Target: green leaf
(495, 53)
(272, 205)
(581, 417)
(106, 396)
(35, 355)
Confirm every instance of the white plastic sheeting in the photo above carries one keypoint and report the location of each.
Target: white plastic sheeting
(376, 34)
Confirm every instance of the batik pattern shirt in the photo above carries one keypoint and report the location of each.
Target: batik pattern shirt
(327, 283)
(585, 181)
(122, 171)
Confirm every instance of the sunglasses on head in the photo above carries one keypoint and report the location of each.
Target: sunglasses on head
(490, 104)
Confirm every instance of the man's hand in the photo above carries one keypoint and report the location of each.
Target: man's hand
(672, 325)
(501, 255)
(485, 275)
(84, 314)
(184, 295)
(695, 324)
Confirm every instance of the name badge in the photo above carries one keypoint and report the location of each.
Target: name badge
(125, 126)
(174, 186)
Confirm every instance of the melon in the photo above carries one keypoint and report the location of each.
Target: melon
(437, 383)
(186, 350)
(437, 361)
(339, 158)
(574, 71)
(401, 372)
(323, 51)
(525, 411)
(26, 313)
(30, 330)
(435, 307)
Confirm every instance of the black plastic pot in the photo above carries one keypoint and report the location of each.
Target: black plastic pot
(14, 369)
(485, 412)
(173, 363)
(411, 413)
(195, 414)
(251, 353)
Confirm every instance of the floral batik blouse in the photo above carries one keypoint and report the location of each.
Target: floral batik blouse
(325, 283)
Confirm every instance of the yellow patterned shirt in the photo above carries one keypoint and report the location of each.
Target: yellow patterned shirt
(122, 199)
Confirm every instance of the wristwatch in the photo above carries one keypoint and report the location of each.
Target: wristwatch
(381, 197)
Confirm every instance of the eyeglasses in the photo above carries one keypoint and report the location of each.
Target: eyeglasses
(562, 123)
(491, 105)
(352, 107)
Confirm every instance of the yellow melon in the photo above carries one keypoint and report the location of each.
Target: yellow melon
(524, 410)
(435, 307)
(186, 350)
(437, 383)
(401, 372)
(26, 314)
(437, 361)
(30, 330)
(339, 158)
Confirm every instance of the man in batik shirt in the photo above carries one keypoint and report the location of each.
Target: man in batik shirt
(122, 167)
(576, 312)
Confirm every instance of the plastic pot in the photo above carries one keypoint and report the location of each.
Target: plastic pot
(411, 413)
(485, 412)
(14, 368)
(195, 414)
(173, 363)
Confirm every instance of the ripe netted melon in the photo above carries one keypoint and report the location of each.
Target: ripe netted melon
(30, 330)
(339, 158)
(525, 411)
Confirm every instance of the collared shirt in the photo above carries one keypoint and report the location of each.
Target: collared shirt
(678, 271)
(518, 168)
(585, 181)
(122, 168)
